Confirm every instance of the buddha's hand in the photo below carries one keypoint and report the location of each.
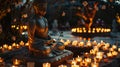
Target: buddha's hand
(53, 45)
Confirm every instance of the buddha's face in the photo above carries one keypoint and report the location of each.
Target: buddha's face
(42, 13)
(40, 9)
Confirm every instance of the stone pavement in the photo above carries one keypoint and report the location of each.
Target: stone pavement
(113, 39)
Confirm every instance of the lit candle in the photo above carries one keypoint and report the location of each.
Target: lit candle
(81, 44)
(73, 62)
(109, 55)
(5, 46)
(61, 40)
(21, 43)
(14, 45)
(68, 41)
(27, 44)
(118, 49)
(107, 45)
(10, 48)
(78, 59)
(46, 64)
(83, 64)
(102, 43)
(74, 65)
(62, 66)
(94, 51)
(1, 49)
(25, 27)
(88, 60)
(1, 60)
(74, 43)
(111, 49)
(17, 46)
(86, 54)
(114, 46)
(94, 64)
(89, 44)
(16, 62)
(14, 66)
(93, 31)
(98, 58)
(17, 28)
(94, 42)
(99, 53)
(114, 53)
(105, 48)
(65, 43)
(13, 26)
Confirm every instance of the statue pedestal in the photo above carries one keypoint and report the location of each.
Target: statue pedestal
(54, 61)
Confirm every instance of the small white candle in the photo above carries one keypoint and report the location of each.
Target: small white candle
(118, 49)
(14, 45)
(114, 53)
(109, 55)
(94, 64)
(27, 44)
(74, 43)
(81, 44)
(73, 61)
(10, 48)
(62, 66)
(78, 59)
(21, 43)
(46, 64)
(14, 66)
(88, 60)
(114, 46)
(74, 65)
(16, 62)
(5, 46)
(1, 60)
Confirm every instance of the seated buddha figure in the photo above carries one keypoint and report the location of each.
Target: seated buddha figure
(41, 44)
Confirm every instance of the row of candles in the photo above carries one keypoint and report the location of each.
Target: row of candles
(17, 63)
(91, 30)
(17, 27)
(91, 59)
(101, 51)
(85, 43)
(6, 47)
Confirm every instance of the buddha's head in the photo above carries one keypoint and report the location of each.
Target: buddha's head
(40, 7)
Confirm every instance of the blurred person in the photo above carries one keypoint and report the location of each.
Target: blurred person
(55, 27)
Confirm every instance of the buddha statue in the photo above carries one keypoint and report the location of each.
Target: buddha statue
(41, 44)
